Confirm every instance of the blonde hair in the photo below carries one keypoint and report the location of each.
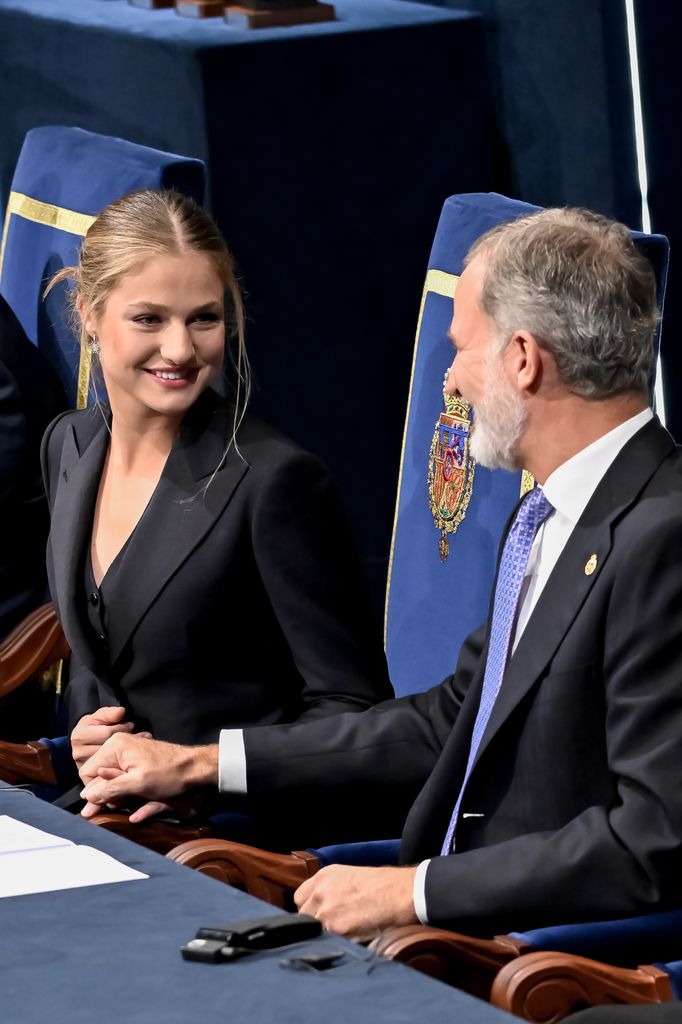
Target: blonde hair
(132, 230)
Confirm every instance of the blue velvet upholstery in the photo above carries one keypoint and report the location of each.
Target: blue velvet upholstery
(631, 940)
(64, 768)
(62, 761)
(372, 854)
(63, 178)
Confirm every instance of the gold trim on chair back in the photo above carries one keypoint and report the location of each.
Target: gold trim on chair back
(61, 219)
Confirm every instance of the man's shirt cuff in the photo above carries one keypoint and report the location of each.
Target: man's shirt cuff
(231, 761)
(419, 892)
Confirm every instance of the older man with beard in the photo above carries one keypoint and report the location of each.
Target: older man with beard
(539, 782)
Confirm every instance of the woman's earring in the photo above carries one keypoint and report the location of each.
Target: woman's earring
(94, 346)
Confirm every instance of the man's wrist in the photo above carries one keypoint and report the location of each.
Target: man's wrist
(200, 767)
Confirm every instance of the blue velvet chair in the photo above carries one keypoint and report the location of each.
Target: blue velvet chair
(442, 558)
(63, 178)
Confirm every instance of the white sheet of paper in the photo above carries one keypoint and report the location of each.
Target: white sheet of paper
(35, 861)
(16, 836)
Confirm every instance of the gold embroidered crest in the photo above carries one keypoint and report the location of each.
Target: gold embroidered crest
(451, 470)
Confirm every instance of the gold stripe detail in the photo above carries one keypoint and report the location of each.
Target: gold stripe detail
(63, 220)
(43, 213)
(4, 240)
(440, 283)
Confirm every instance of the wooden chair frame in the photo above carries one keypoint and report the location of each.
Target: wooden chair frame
(272, 877)
(546, 987)
(31, 648)
(34, 646)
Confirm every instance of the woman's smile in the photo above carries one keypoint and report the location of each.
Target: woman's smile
(163, 324)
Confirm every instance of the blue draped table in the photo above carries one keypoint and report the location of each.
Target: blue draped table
(111, 953)
(330, 149)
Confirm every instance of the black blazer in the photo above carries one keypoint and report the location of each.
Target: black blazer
(239, 598)
(30, 396)
(576, 785)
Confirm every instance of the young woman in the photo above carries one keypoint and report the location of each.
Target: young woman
(199, 561)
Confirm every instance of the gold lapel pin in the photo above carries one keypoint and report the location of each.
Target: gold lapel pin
(590, 565)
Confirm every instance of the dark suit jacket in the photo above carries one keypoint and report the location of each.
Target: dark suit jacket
(577, 783)
(30, 396)
(237, 602)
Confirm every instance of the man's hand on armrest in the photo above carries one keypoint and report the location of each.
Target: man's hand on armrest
(132, 766)
(359, 902)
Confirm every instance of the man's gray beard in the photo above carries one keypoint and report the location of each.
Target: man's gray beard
(499, 422)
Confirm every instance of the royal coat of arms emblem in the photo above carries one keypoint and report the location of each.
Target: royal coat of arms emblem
(451, 469)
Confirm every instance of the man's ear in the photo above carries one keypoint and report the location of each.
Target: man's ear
(523, 357)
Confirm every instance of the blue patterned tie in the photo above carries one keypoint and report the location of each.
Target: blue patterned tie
(532, 513)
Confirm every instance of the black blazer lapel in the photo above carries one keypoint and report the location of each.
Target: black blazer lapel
(197, 482)
(569, 584)
(80, 469)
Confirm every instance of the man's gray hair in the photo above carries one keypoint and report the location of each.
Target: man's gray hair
(576, 281)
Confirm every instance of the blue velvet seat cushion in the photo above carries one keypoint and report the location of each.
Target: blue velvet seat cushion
(64, 768)
(377, 853)
(632, 940)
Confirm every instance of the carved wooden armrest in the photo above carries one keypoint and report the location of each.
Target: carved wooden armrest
(463, 961)
(272, 877)
(32, 646)
(546, 987)
(160, 836)
(26, 762)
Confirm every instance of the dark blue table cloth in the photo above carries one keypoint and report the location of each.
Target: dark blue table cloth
(110, 953)
(330, 149)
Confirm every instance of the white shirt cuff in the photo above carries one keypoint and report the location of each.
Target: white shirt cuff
(419, 892)
(231, 761)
